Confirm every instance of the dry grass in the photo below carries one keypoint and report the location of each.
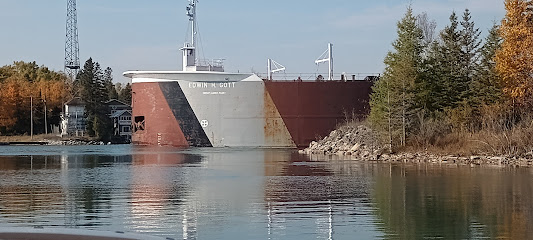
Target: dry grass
(499, 133)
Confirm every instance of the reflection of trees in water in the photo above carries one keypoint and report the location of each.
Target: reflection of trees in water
(33, 191)
(92, 190)
(90, 184)
(296, 177)
(454, 203)
(22, 163)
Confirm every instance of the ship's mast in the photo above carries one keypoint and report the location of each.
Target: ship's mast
(191, 12)
(189, 49)
(190, 62)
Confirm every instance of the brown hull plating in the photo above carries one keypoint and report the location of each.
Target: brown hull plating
(160, 126)
(314, 109)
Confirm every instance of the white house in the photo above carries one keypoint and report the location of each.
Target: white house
(73, 118)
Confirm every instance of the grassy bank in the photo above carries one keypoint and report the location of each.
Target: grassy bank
(357, 141)
(38, 138)
(26, 138)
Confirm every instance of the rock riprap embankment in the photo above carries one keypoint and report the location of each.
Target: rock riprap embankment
(357, 141)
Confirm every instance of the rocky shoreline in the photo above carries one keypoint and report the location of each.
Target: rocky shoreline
(74, 142)
(357, 142)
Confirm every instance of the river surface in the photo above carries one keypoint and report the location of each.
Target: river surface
(211, 193)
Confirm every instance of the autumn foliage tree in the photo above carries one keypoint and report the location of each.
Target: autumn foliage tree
(19, 83)
(515, 57)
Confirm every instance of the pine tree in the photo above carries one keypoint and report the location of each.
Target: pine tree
(486, 89)
(102, 124)
(425, 86)
(462, 114)
(125, 94)
(470, 44)
(108, 82)
(95, 95)
(430, 95)
(448, 65)
(514, 58)
(392, 103)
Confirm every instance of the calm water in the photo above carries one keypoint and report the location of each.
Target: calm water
(257, 194)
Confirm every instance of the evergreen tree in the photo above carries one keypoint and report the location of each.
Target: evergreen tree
(461, 112)
(86, 84)
(470, 44)
(431, 96)
(393, 99)
(125, 94)
(95, 95)
(486, 88)
(451, 65)
(426, 87)
(448, 66)
(108, 82)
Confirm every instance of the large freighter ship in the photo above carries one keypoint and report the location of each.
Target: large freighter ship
(203, 106)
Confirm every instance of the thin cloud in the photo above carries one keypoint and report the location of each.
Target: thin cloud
(479, 7)
(372, 17)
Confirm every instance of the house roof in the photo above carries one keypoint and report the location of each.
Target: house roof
(120, 113)
(75, 102)
(116, 102)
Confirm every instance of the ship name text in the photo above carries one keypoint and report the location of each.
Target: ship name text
(211, 85)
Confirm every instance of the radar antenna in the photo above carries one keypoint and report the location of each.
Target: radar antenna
(327, 56)
(191, 13)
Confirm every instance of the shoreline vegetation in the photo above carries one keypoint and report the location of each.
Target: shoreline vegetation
(357, 141)
(50, 139)
(34, 96)
(451, 96)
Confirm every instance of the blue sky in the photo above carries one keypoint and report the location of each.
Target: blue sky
(146, 35)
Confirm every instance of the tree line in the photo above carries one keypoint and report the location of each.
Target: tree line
(440, 91)
(95, 86)
(25, 84)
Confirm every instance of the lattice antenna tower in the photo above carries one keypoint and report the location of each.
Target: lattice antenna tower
(72, 49)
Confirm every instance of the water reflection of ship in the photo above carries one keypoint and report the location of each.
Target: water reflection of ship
(311, 191)
(163, 156)
(159, 191)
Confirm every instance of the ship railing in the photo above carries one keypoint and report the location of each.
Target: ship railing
(321, 77)
(210, 62)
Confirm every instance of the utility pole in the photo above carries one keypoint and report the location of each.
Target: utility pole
(72, 51)
(31, 117)
(45, 121)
